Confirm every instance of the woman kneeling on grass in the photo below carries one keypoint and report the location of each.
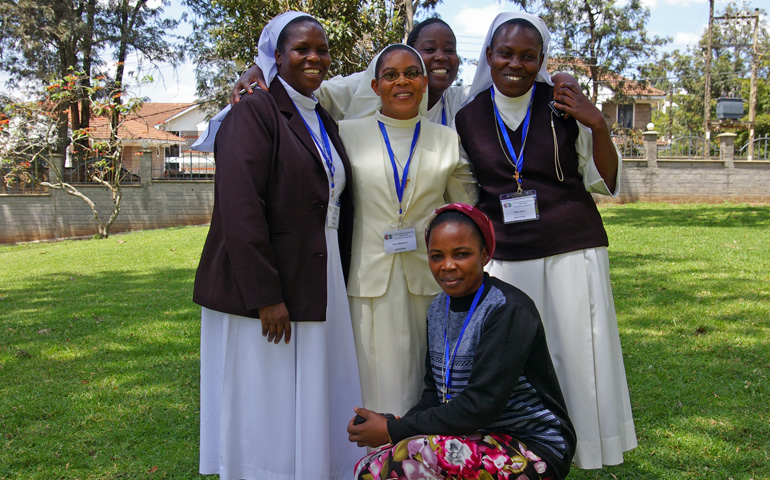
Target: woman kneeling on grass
(491, 407)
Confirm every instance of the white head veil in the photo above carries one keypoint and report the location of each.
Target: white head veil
(483, 78)
(365, 102)
(268, 41)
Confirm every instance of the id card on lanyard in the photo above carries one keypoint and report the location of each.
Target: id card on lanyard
(324, 146)
(400, 240)
(401, 237)
(519, 206)
(333, 215)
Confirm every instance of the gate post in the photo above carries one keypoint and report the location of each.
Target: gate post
(651, 148)
(727, 149)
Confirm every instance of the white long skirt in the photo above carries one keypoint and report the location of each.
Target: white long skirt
(391, 342)
(280, 412)
(573, 294)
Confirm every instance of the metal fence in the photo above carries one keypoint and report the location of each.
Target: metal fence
(187, 166)
(688, 146)
(761, 149)
(84, 172)
(13, 183)
(629, 146)
(18, 179)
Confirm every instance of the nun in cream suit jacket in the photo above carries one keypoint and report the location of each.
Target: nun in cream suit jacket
(437, 176)
(389, 294)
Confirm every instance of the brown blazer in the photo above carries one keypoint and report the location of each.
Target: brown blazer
(266, 243)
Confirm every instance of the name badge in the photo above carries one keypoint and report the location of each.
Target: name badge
(400, 240)
(519, 207)
(333, 216)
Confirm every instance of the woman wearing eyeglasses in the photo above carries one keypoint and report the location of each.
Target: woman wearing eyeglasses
(403, 167)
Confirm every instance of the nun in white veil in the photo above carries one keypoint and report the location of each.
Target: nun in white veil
(556, 251)
(277, 410)
(404, 167)
(268, 39)
(482, 79)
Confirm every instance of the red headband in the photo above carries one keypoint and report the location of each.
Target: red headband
(478, 217)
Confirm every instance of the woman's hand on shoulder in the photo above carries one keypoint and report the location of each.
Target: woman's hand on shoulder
(275, 322)
(373, 432)
(245, 83)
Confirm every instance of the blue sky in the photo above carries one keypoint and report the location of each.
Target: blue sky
(682, 20)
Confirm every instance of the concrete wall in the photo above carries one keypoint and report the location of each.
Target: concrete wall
(654, 179)
(610, 112)
(166, 203)
(153, 204)
(642, 115)
(681, 181)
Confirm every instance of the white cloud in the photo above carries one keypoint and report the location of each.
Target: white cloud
(475, 21)
(680, 3)
(169, 85)
(685, 39)
(652, 4)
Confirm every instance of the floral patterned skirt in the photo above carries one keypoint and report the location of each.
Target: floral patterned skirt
(489, 456)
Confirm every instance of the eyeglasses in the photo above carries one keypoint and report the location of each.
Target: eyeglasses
(392, 75)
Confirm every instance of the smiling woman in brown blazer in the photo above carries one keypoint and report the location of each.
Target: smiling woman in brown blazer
(273, 269)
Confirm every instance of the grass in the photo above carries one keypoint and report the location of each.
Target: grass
(99, 349)
(99, 357)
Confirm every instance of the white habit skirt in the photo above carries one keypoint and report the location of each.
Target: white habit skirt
(573, 294)
(391, 342)
(280, 412)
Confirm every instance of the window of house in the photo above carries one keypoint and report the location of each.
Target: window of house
(173, 150)
(626, 115)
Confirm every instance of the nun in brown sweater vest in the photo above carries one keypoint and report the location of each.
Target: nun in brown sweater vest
(535, 168)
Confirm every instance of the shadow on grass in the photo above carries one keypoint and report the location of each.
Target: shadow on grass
(100, 376)
(696, 344)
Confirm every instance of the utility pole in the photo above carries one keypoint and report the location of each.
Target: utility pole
(753, 89)
(743, 16)
(670, 112)
(707, 95)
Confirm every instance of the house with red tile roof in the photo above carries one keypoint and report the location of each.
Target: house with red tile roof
(165, 129)
(623, 101)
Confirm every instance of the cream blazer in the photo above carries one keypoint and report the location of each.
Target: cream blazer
(437, 176)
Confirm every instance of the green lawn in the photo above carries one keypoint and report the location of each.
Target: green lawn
(99, 349)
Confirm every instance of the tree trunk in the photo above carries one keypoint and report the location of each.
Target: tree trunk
(593, 60)
(87, 51)
(410, 8)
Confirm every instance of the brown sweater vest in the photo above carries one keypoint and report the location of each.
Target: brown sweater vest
(569, 219)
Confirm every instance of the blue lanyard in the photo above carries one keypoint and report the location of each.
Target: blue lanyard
(400, 183)
(450, 361)
(443, 111)
(525, 128)
(323, 146)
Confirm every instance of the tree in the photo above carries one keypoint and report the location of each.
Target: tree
(411, 7)
(226, 34)
(47, 39)
(683, 73)
(659, 74)
(603, 35)
(29, 137)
